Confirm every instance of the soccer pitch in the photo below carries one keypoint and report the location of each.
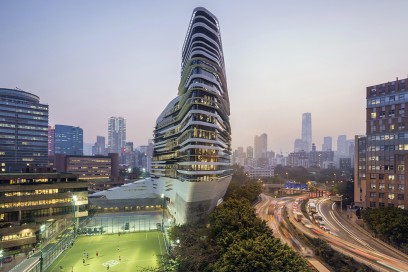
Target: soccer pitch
(128, 252)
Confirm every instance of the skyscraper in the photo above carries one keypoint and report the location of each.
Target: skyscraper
(307, 130)
(385, 182)
(327, 144)
(68, 140)
(116, 134)
(260, 146)
(342, 146)
(51, 135)
(99, 146)
(250, 152)
(191, 163)
(24, 130)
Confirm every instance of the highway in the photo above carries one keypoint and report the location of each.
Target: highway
(343, 236)
(347, 231)
(271, 211)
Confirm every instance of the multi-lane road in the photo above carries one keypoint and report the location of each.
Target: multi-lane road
(344, 236)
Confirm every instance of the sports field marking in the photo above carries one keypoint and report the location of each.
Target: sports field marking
(110, 263)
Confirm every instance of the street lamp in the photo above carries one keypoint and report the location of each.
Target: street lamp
(162, 196)
(74, 200)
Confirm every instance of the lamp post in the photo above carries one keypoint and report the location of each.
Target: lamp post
(74, 200)
(162, 196)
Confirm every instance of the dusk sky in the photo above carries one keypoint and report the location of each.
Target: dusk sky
(90, 60)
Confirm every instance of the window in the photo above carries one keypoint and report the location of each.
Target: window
(372, 185)
(401, 167)
(381, 186)
(381, 195)
(373, 115)
(390, 205)
(401, 197)
(401, 177)
(401, 187)
(381, 204)
(372, 204)
(401, 206)
(372, 194)
(391, 177)
(391, 186)
(391, 196)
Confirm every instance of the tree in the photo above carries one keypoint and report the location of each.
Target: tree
(263, 253)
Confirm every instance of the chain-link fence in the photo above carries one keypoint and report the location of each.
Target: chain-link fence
(109, 224)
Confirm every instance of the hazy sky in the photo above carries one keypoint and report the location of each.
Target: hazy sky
(90, 60)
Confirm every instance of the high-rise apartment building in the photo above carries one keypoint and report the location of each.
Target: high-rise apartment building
(386, 175)
(327, 144)
(260, 146)
(191, 163)
(24, 130)
(116, 134)
(307, 130)
(68, 140)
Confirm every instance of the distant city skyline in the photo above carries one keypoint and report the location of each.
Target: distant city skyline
(92, 60)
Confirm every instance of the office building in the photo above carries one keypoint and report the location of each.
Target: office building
(116, 134)
(51, 135)
(250, 152)
(68, 140)
(360, 179)
(99, 146)
(327, 144)
(29, 200)
(260, 146)
(299, 145)
(307, 130)
(386, 177)
(24, 130)
(89, 167)
(342, 146)
(192, 145)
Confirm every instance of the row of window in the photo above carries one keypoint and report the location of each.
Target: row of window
(400, 168)
(9, 205)
(16, 236)
(382, 205)
(390, 195)
(387, 100)
(381, 186)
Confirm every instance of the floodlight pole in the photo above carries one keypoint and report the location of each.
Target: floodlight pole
(162, 196)
(74, 200)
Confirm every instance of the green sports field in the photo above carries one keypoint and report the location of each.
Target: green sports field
(128, 252)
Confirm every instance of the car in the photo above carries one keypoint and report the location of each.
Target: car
(326, 229)
(7, 259)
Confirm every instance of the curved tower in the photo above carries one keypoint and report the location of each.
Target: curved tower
(23, 130)
(191, 160)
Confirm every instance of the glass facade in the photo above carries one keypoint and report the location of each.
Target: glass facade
(193, 134)
(68, 140)
(23, 130)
